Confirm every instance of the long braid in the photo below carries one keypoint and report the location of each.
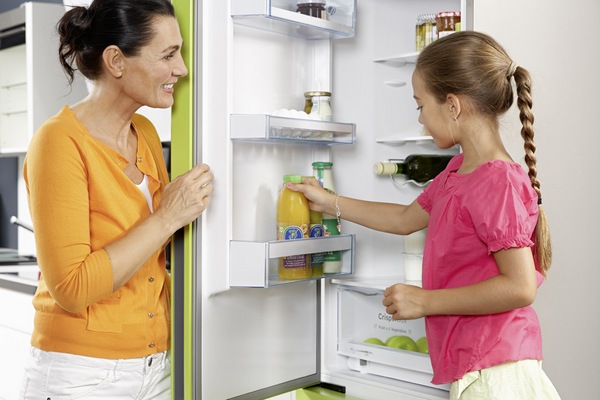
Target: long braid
(524, 102)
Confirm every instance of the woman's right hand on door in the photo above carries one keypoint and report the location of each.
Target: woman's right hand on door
(187, 196)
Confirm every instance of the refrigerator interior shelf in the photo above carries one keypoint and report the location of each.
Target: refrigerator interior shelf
(262, 15)
(397, 140)
(376, 284)
(401, 60)
(264, 127)
(254, 264)
(395, 83)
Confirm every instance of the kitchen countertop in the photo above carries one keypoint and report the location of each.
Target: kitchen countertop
(19, 277)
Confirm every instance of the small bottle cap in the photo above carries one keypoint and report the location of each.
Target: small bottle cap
(292, 178)
(322, 164)
(311, 2)
(316, 94)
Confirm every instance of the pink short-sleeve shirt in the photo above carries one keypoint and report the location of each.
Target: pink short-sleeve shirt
(472, 216)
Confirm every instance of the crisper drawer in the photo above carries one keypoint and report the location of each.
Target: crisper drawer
(376, 344)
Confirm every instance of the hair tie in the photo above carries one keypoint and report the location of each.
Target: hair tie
(540, 201)
(511, 69)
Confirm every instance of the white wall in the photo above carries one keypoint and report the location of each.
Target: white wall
(552, 39)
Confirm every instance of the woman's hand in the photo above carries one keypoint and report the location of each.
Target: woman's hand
(187, 196)
(183, 200)
(404, 301)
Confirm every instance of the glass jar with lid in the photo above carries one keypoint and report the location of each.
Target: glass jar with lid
(446, 22)
(313, 8)
(309, 98)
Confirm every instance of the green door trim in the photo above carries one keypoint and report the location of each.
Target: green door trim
(182, 159)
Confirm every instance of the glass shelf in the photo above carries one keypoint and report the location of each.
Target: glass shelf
(401, 60)
(400, 141)
(254, 264)
(367, 285)
(264, 127)
(284, 19)
(395, 83)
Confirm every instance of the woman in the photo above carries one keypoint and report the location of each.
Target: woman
(103, 210)
(487, 247)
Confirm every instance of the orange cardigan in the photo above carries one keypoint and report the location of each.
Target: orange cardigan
(81, 200)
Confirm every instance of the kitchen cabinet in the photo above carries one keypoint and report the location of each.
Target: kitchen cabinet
(16, 326)
(33, 86)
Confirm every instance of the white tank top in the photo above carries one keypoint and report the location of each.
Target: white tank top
(143, 186)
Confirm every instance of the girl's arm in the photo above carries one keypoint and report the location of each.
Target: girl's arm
(385, 217)
(514, 287)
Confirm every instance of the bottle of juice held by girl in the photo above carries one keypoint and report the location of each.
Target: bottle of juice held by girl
(293, 221)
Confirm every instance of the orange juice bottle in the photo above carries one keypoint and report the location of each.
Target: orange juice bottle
(293, 221)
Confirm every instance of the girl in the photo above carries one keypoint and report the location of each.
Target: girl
(487, 248)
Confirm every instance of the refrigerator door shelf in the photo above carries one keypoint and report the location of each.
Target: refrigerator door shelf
(284, 19)
(254, 264)
(264, 127)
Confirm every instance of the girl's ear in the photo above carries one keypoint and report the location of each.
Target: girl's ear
(454, 106)
(113, 61)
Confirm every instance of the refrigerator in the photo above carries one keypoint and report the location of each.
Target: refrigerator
(240, 332)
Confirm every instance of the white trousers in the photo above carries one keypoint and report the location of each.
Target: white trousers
(61, 376)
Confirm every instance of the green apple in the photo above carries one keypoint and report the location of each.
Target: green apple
(373, 340)
(402, 342)
(422, 345)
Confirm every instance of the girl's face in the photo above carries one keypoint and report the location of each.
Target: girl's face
(153, 73)
(433, 115)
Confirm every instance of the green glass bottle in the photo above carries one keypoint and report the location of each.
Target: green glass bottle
(420, 168)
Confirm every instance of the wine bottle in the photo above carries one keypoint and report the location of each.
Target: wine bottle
(420, 168)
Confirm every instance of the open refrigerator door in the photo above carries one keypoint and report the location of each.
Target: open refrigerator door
(250, 60)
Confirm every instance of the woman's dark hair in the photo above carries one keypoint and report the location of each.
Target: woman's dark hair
(86, 31)
(475, 65)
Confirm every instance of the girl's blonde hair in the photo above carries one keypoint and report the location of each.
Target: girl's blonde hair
(474, 65)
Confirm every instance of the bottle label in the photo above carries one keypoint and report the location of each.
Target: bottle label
(332, 256)
(293, 232)
(298, 261)
(317, 258)
(331, 229)
(330, 226)
(316, 230)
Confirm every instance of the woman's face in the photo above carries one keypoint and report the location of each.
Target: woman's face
(433, 115)
(151, 75)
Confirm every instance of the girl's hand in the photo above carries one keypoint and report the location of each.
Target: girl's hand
(318, 198)
(404, 301)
